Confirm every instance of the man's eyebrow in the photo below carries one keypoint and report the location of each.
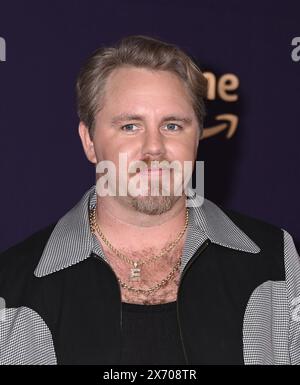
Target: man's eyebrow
(183, 119)
(125, 117)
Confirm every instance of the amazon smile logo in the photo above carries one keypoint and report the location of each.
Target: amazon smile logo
(224, 89)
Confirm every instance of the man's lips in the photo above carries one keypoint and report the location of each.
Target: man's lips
(153, 171)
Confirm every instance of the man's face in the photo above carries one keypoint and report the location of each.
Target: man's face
(147, 115)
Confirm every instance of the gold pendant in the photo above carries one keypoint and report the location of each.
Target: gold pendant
(135, 273)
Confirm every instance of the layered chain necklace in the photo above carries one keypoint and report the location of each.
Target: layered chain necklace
(135, 271)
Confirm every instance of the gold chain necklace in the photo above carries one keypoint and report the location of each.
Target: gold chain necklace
(155, 287)
(135, 271)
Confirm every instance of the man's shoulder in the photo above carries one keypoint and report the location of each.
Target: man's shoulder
(261, 231)
(25, 254)
(249, 220)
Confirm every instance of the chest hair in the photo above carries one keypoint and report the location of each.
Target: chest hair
(151, 274)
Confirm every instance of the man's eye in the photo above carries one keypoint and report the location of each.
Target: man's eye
(173, 127)
(128, 127)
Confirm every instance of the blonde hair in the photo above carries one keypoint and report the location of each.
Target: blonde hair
(136, 51)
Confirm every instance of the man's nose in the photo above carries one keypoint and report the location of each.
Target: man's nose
(153, 143)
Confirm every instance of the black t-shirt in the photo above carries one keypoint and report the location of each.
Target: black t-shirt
(150, 335)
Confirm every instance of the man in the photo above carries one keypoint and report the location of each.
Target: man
(144, 278)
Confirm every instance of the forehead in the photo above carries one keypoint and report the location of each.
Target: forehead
(134, 74)
(135, 84)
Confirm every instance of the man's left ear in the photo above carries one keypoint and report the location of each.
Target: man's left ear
(87, 143)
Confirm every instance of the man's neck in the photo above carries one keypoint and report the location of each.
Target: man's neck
(125, 225)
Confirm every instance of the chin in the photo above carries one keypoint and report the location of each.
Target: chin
(153, 205)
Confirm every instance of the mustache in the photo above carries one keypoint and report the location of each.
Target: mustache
(141, 165)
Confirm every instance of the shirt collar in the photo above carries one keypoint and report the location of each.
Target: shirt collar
(71, 241)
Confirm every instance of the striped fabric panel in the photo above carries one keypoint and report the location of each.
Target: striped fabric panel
(25, 339)
(292, 268)
(266, 326)
(70, 241)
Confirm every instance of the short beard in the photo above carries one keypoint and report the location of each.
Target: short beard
(152, 205)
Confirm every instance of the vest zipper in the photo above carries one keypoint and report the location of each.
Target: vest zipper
(116, 279)
(197, 253)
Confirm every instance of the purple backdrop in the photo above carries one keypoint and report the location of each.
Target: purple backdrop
(43, 169)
